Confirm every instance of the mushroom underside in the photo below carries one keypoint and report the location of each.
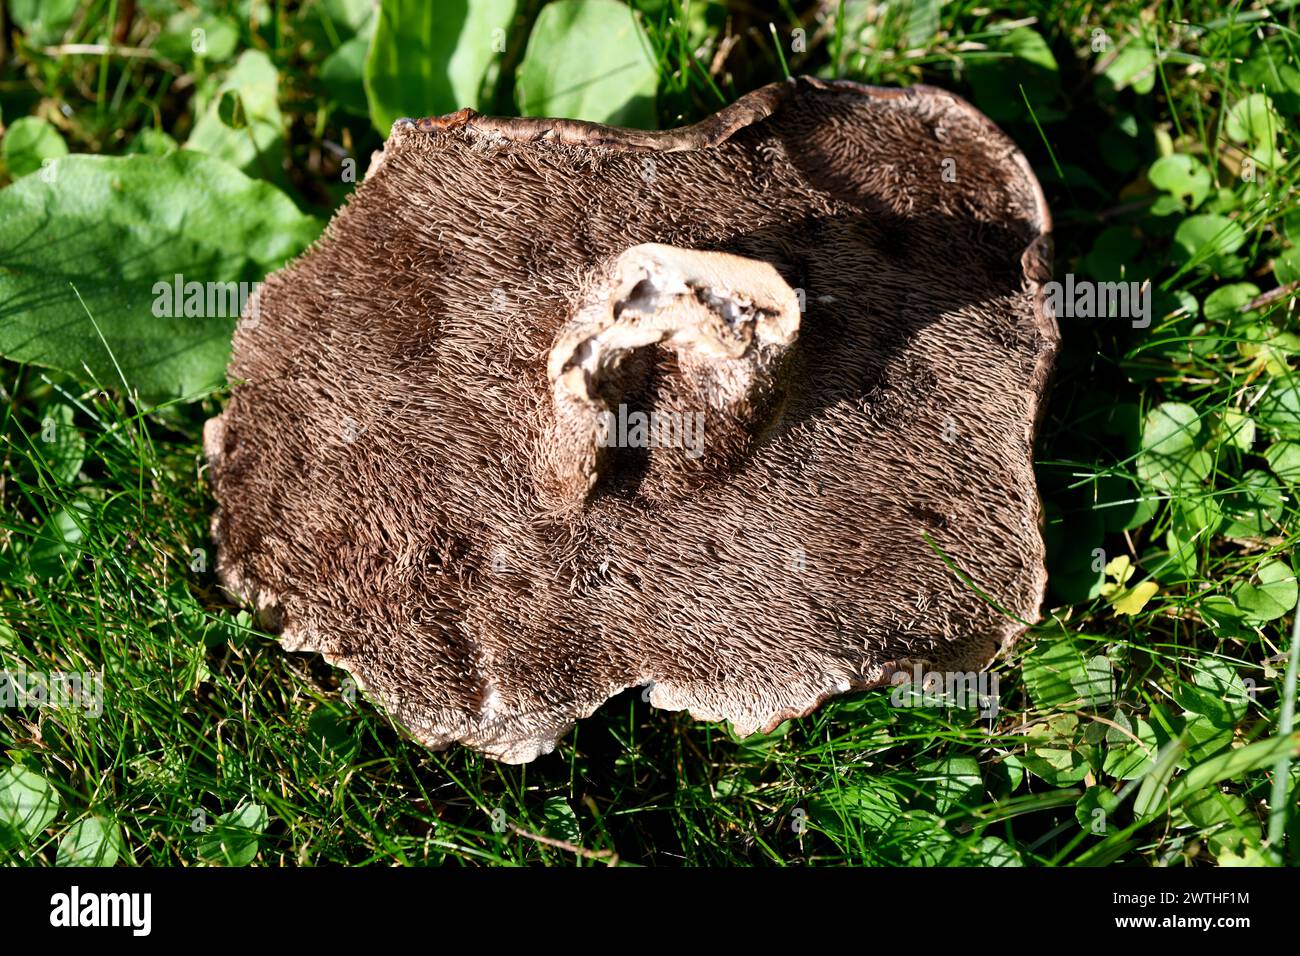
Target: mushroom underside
(394, 491)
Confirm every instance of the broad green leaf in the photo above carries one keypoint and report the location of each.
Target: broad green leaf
(922, 22)
(995, 851)
(1286, 267)
(430, 57)
(1072, 577)
(854, 808)
(1224, 304)
(1207, 734)
(1279, 409)
(1216, 692)
(1127, 758)
(1094, 808)
(1183, 176)
(28, 143)
(1251, 856)
(1209, 808)
(1180, 472)
(1059, 766)
(1170, 428)
(1291, 224)
(1206, 239)
(1284, 459)
(1253, 120)
(44, 22)
(55, 545)
(919, 839)
(60, 443)
(1057, 675)
(346, 17)
(120, 229)
(1194, 516)
(1273, 597)
(761, 741)
(349, 26)
(242, 123)
(1270, 69)
(28, 804)
(1237, 429)
(1262, 154)
(1168, 460)
(1005, 775)
(198, 35)
(589, 60)
(1167, 205)
(1223, 615)
(1122, 503)
(1180, 561)
(152, 142)
(232, 840)
(1224, 817)
(560, 822)
(1135, 66)
(950, 781)
(1098, 687)
(328, 726)
(1269, 349)
(1123, 420)
(1254, 509)
(1233, 764)
(343, 74)
(1225, 201)
(93, 841)
(733, 786)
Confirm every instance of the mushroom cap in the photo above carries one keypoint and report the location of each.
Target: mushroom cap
(380, 468)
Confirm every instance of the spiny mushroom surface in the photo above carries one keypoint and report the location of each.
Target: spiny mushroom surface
(831, 295)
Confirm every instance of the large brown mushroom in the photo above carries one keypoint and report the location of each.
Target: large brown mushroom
(430, 468)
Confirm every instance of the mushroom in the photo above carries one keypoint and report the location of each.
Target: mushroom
(742, 412)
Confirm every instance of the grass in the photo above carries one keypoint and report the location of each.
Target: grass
(1130, 731)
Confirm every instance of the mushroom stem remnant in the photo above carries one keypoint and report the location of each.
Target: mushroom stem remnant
(729, 323)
